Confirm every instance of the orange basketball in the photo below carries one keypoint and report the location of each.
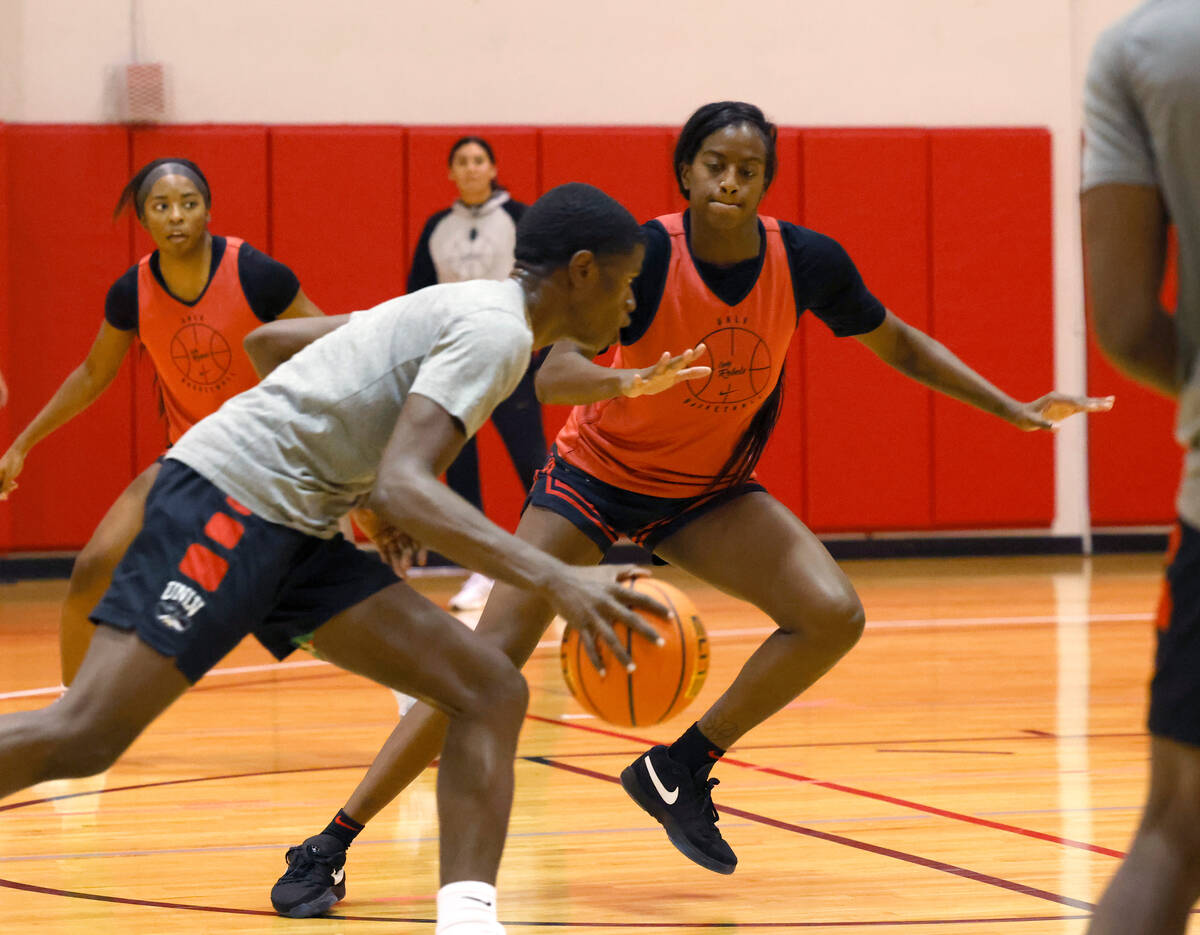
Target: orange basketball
(667, 677)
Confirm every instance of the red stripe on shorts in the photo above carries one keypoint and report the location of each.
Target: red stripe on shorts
(1166, 605)
(224, 530)
(563, 492)
(237, 507)
(204, 566)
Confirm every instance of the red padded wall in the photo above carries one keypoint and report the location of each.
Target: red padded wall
(7, 430)
(991, 237)
(234, 160)
(1134, 463)
(69, 252)
(633, 164)
(338, 212)
(869, 427)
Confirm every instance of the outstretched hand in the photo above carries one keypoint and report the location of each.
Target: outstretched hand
(591, 599)
(10, 467)
(668, 372)
(1052, 408)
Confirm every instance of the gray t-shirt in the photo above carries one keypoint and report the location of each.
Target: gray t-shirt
(303, 447)
(1142, 127)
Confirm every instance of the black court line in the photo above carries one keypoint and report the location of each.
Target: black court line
(926, 862)
(893, 923)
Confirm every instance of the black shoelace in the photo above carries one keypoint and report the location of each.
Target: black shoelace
(305, 861)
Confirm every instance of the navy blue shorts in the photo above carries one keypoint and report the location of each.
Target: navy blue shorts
(604, 513)
(1175, 689)
(204, 572)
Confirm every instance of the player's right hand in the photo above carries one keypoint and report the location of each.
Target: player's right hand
(10, 467)
(668, 372)
(590, 599)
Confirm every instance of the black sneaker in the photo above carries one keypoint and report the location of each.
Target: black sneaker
(315, 878)
(682, 804)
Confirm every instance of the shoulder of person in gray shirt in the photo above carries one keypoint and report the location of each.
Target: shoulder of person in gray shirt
(303, 447)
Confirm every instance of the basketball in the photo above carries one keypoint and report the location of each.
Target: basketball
(667, 677)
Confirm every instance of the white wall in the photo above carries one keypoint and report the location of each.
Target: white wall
(854, 62)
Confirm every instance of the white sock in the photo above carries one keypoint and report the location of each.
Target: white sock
(467, 908)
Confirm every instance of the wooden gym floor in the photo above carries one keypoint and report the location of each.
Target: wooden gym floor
(974, 767)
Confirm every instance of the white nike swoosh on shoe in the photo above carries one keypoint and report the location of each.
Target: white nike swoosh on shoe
(338, 876)
(668, 797)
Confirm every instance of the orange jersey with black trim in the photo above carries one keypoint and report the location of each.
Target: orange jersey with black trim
(197, 349)
(675, 443)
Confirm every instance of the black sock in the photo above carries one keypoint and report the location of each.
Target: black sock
(344, 828)
(695, 751)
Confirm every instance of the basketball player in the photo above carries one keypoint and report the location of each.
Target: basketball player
(1141, 170)
(240, 529)
(190, 302)
(674, 471)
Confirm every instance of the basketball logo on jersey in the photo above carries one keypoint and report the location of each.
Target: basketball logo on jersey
(201, 354)
(741, 369)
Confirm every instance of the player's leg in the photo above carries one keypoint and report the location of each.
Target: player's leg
(400, 639)
(120, 688)
(1159, 881)
(93, 569)
(513, 621)
(754, 548)
(463, 478)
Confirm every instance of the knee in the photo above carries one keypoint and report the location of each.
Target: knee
(835, 619)
(503, 695)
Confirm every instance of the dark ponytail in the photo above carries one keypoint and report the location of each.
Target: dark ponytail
(740, 465)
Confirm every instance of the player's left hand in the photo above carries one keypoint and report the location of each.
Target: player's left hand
(397, 548)
(1047, 412)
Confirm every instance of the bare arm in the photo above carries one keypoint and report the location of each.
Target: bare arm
(79, 390)
(917, 355)
(1124, 255)
(270, 345)
(568, 377)
(409, 496)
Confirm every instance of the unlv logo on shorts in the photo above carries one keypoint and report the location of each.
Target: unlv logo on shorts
(201, 354)
(741, 367)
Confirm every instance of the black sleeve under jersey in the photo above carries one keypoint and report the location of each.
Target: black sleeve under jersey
(515, 209)
(269, 286)
(423, 273)
(652, 280)
(121, 303)
(828, 283)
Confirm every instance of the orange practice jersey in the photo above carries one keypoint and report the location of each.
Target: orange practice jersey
(197, 349)
(674, 443)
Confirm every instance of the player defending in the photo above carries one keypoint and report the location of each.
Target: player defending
(674, 470)
(240, 529)
(1141, 167)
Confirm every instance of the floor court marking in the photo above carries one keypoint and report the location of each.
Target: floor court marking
(930, 623)
(926, 862)
(892, 923)
(394, 920)
(864, 793)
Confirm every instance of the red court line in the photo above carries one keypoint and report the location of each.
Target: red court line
(926, 862)
(864, 793)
